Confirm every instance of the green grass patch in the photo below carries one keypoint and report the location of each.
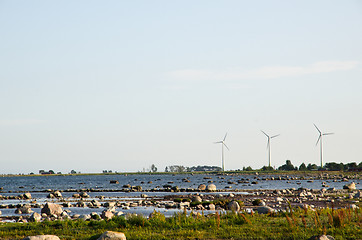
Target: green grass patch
(296, 223)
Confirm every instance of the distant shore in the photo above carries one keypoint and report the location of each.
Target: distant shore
(254, 172)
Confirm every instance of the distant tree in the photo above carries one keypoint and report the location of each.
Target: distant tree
(359, 167)
(303, 167)
(351, 166)
(203, 169)
(153, 168)
(248, 169)
(267, 168)
(74, 172)
(177, 168)
(41, 171)
(166, 169)
(312, 167)
(332, 166)
(288, 166)
(51, 172)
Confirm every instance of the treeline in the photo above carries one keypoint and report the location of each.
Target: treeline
(288, 166)
(332, 166)
(179, 168)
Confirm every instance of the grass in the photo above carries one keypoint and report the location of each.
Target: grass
(292, 224)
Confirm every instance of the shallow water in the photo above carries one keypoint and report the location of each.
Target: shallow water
(37, 186)
(102, 182)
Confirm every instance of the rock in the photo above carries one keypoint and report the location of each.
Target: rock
(265, 210)
(95, 203)
(52, 208)
(67, 204)
(211, 206)
(50, 195)
(64, 215)
(57, 194)
(21, 220)
(109, 235)
(113, 182)
(76, 195)
(27, 195)
(109, 204)
(95, 215)
(211, 187)
(120, 213)
(133, 204)
(353, 206)
(137, 188)
(196, 198)
(323, 237)
(357, 195)
(234, 206)
(84, 217)
(200, 207)
(42, 237)
(107, 215)
(184, 205)
(24, 210)
(351, 186)
(258, 202)
(112, 209)
(201, 187)
(81, 204)
(84, 195)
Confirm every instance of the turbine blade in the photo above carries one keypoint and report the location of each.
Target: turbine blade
(225, 136)
(264, 133)
(317, 128)
(218, 142)
(275, 136)
(327, 134)
(226, 146)
(319, 138)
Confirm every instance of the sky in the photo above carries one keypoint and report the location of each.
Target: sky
(121, 85)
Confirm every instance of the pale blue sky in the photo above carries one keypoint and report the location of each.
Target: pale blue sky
(121, 85)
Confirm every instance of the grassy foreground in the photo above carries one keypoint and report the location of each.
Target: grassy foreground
(295, 224)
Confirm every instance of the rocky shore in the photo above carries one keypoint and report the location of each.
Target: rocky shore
(204, 198)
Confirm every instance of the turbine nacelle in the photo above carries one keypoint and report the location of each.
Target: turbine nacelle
(269, 137)
(223, 141)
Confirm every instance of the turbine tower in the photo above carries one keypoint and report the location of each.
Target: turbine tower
(222, 151)
(268, 145)
(320, 140)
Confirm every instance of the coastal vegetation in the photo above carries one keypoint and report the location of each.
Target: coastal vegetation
(288, 167)
(294, 223)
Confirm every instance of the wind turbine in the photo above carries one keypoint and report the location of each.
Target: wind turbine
(320, 140)
(222, 150)
(268, 146)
